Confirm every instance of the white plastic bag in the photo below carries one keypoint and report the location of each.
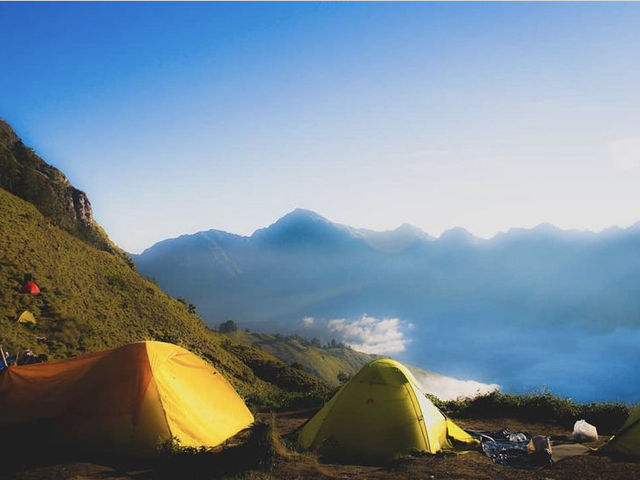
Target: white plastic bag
(584, 432)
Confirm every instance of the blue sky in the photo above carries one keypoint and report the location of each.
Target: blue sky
(183, 117)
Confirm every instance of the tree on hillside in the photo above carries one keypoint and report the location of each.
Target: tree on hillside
(228, 326)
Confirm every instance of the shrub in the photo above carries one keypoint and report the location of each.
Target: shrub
(537, 407)
(228, 327)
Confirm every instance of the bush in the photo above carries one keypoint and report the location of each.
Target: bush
(248, 457)
(228, 327)
(297, 366)
(537, 407)
(281, 402)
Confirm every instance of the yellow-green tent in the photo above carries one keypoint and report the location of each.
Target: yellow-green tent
(379, 415)
(126, 400)
(626, 441)
(27, 317)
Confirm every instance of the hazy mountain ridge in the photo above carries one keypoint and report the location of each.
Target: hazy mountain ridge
(321, 255)
(541, 293)
(325, 362)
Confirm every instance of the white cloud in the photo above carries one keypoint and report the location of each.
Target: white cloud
(449, 388)
(371, 335)
(625, 153)
(308, 321)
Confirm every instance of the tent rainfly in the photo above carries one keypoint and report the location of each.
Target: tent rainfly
(626, 441)
(379, 415)
(126, 400)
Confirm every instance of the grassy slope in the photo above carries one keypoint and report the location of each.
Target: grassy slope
(92, 300)
(324, 363)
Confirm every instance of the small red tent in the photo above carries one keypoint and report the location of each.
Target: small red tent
(30, 287)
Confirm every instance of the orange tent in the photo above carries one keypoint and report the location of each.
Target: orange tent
(30, 287)
(127, 400)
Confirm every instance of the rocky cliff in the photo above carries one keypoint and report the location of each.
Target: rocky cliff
(26, 175)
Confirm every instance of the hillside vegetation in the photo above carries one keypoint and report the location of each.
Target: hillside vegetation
(541, 407)
(92, 300)
(331, 364)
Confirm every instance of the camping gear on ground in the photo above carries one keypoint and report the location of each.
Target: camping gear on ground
(379, 415)
(8, 361)
(126, 400)
(541, 447)
(4, 358)
(515, 449)
(584, 432)
(626, 441)
(27, 317)
(28, 358)
(562, 450)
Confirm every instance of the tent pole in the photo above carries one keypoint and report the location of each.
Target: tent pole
(4, 359)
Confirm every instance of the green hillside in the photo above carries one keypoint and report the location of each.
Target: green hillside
(91, 300)
(323, 362)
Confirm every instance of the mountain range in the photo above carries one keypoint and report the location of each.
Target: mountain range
(528, 302)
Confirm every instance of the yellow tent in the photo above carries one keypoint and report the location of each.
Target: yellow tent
(126, 400)
(626, 441)
(379, 415)
(27, 317)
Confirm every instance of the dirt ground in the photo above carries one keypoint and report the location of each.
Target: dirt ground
(289, 465)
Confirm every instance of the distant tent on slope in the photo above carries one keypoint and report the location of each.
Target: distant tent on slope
(30, 287)
(626, 441)
(27, 317)
(379, 415)
(126, 400)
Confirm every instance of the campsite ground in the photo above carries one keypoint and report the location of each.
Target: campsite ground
(287, 465)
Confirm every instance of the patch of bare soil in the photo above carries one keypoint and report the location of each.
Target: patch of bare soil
(286, 464)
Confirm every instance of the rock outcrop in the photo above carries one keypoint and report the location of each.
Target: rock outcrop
(26, 175)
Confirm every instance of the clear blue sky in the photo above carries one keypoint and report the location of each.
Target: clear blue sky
(183, 117)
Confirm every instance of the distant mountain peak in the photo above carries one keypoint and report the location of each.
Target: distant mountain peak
(546, 227)
(457, 234)
(408, 228)
(303, 227)
(395, 240)
(302, 214)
